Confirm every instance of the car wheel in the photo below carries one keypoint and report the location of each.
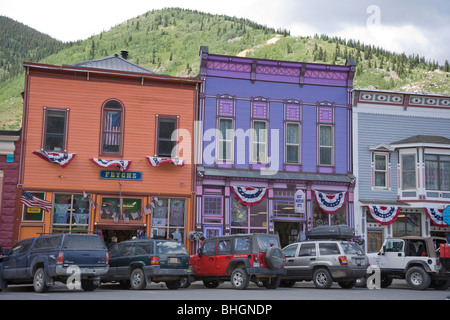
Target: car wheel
(185, 283)
(275, 258)
(137, 279)
(173, 285)
(240, 279)
(88, 285)
(417, 278)
(39, 284)
(211, 284)
(440, 284)
(347, 284)
(322, 278)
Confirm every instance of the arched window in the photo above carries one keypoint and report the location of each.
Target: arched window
(111, 142)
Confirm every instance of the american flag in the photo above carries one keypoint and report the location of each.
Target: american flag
(112, 128)
(32, 201)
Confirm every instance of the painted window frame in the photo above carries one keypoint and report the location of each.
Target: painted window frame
(221, 140)
(402, 155)
(386, 186)
(438, 169)
(330, 147)
(45, 132)
(103, 128)
(176, 120)
(71, 224)
(256, 159)
(287, 144)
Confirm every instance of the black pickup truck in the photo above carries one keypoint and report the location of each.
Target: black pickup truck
(75, 259)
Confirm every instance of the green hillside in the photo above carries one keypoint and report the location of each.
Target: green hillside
(168, 41)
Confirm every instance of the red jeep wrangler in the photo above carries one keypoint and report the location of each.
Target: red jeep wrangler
(240, 258)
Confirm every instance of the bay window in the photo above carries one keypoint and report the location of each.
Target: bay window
(437, 172)
(408, 167)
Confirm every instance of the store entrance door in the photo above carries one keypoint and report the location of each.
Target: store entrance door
(289, 231)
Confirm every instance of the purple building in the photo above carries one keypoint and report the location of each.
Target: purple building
(276, 148)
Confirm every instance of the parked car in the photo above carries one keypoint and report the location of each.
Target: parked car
(414, 259)
(239, 258)
(46, 259)
(136, 263)
(324, 262)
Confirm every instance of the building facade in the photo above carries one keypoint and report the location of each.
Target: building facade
(402, 164)
(274, 146)
(9, 174)
(97, 144)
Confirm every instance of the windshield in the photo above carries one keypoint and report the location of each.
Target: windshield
(170, 247)
(267, 241)
(83, 242)
(351, 248)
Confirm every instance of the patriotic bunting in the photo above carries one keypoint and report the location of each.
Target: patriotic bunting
(123, 165)
(384, 215)
(330, 203)
(436, 215)
(32, 201)
(63, 159)
(156, 161)
(249, 196)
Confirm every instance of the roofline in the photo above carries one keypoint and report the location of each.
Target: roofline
(402, 92)
(112, 72)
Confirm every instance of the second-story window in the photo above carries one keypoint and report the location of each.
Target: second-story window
(225, 141)
(112, 128)
(165, 144)
(437, 172)
(408, 165)
(292, 143)
(381, 170)
(55, 130)
(259, 141)
(325, 145)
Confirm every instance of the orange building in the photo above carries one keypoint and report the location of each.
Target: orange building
(100, 142)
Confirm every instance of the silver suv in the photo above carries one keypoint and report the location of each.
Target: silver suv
(324, 262)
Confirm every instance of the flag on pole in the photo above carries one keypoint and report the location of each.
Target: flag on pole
(32, 201)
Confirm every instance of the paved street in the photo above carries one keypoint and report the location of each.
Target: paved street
(197, 292)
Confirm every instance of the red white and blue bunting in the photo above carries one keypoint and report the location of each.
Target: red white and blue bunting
(384, 215)
(63, 159)
(123, 165)
(156, 161)
(436, 215)
(330, 203)
(249, 196)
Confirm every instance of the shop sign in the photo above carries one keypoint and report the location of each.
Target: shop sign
(446, 215)
(118, 175)
(299, 201)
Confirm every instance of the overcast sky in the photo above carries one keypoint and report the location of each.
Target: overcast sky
(410, 26)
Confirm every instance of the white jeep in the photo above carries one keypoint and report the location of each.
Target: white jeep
(414, 259)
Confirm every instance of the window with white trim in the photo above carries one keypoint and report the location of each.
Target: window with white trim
(326, 145)
(259, 141)
(380, 167)
(408, 168)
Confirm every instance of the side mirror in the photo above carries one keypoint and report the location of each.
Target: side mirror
(200, 252)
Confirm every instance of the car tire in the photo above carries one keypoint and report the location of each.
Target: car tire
(417, 278)
(88, 285)
(275, 258)
(185, 283)
(211, 284)
(173, 285)
(240, 279)
(39, 284)
(322, 278)
(347, 284)
(137, 279)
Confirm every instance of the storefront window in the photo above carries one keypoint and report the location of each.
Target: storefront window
(33, 214)
(407, 224)
(168, 218)
(71, 213)
(321, 218)
(111, 209)
(248, 219)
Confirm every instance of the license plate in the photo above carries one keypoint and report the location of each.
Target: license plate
(173, 260)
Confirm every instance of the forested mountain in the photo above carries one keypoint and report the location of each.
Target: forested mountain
(168, 41)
